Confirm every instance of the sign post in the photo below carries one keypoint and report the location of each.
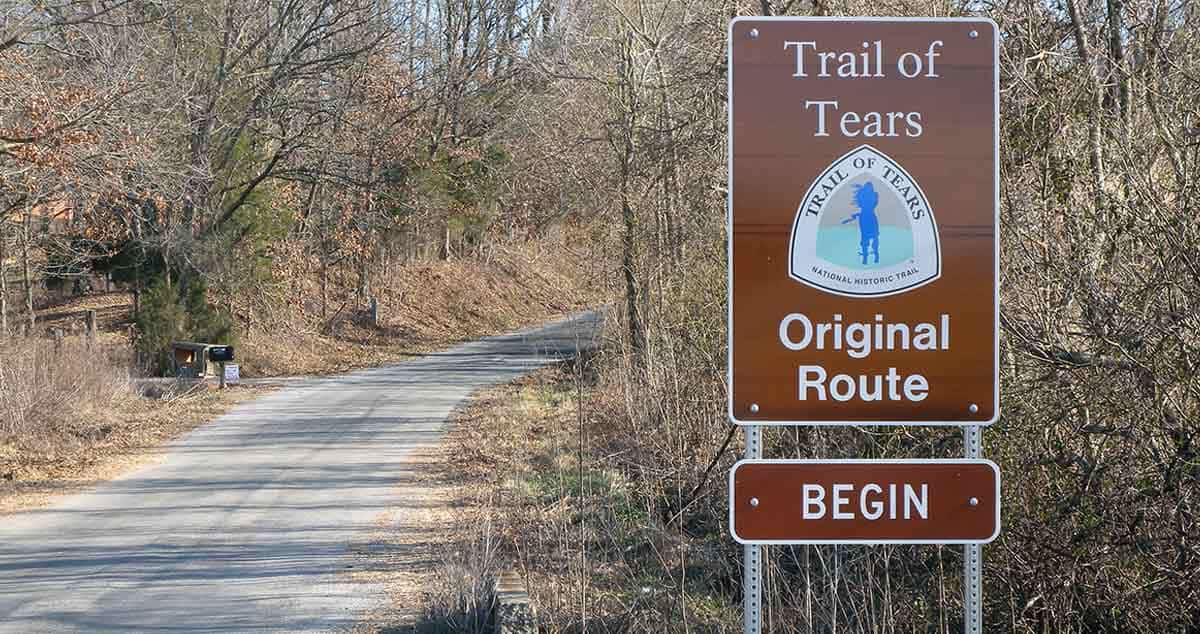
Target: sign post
(864, 275)
(752, 554)
(973, 553)
(223, 355)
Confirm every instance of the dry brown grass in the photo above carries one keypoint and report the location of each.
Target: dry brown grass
(461, 595)
(44, 384)
(579, 537)
(445, 553)
(70, 417)
(423, 306)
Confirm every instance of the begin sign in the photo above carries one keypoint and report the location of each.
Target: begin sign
(864, 501)
(863, 214)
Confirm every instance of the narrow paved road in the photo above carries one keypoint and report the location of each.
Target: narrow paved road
(246, 523)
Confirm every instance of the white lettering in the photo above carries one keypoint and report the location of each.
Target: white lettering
(902, 65)
(820, 114)
(858, 336)
(861, 339)
(930, 55)
(848, 66)
(786, 340)
(916, 388)
(840, 500)
(844, 394)
(852, 119)
(844, 387)
(876, 505)
(914, 128)
(871, 501)
(825, 57)
(911, 501)
(800, 46)
(814, 495)
(818, 383)
(926, 337)
(864, 390)
(892, 331)
(893, 377)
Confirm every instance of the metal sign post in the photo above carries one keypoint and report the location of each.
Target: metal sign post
(752, 570)
(973, 553)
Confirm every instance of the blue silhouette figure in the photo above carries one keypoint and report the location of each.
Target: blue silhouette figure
(867, 200)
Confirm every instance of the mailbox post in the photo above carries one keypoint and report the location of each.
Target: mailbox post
(221, 355)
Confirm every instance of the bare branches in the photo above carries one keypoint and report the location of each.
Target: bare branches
(1097, 105)
(21, 26)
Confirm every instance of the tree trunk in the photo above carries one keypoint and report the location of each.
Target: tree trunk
(3, 278)
(92, 327)
(671, 159)
(547, 16)
(628, 261)
(167, 267)
(1119, 95)
(324, 285)
(637, 336)
(412, 38)
(1095, 146)
(363, 276)
(26, 275)
(137, 269)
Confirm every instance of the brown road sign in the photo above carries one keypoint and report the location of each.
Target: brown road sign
(864, 501)
(863, 209)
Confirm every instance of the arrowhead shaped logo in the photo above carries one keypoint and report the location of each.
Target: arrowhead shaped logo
(865, 229)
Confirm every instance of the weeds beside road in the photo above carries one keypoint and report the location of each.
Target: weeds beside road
(71, 416)
(538, 488)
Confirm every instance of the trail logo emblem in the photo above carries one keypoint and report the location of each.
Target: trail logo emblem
(865, 229)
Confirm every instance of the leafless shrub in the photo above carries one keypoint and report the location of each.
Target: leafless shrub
(462, 597)
(43, 383)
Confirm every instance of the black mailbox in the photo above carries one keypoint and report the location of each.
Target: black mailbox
(220, 353)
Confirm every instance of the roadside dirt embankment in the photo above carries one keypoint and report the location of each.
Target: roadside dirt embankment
(72, 414)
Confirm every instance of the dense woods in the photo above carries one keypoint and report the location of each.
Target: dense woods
(207, 154)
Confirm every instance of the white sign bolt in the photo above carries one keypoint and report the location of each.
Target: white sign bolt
(753, 33)
(973, 34)
(974, 409)
(754, 408)
(973, 501)
(754, 501)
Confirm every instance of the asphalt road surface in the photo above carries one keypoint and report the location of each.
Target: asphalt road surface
(246, 523)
